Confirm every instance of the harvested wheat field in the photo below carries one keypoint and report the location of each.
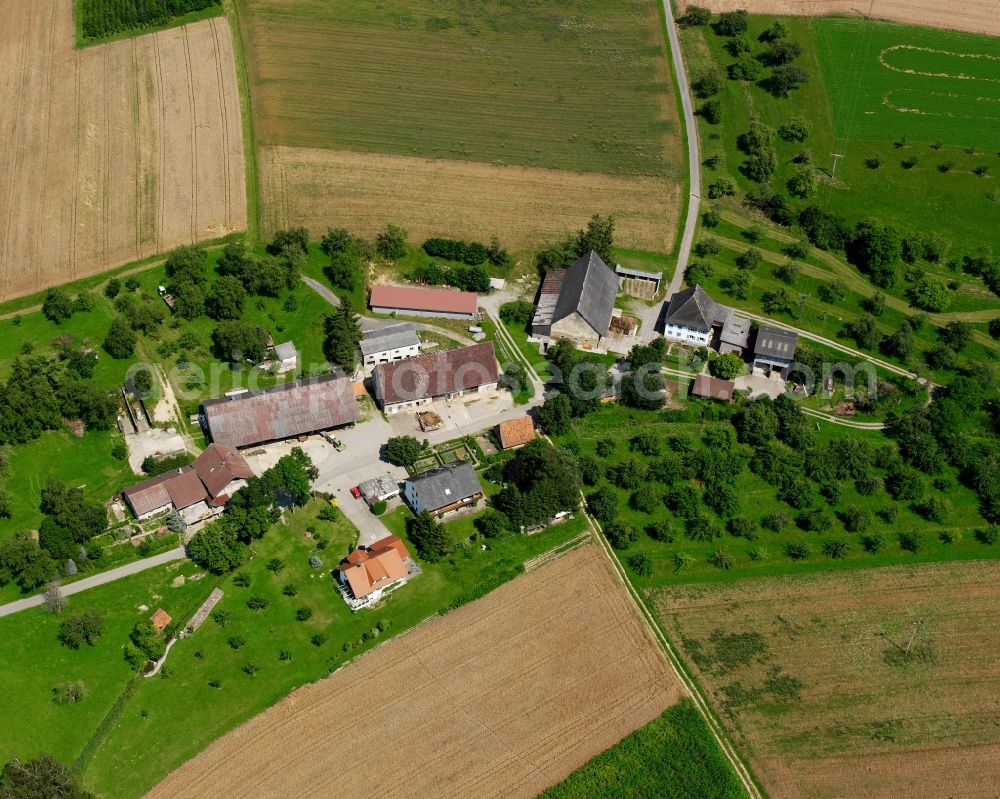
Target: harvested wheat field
(503, 697)
(973, 16)
(522, 205)
(854, 684)
(112, 153)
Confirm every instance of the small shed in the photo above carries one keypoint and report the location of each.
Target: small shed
(709, 387)
(516, 432)
(160, 619)
(287, 359)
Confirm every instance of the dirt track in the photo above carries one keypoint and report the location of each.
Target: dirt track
(502, 697)
(522, 205)
(974, 16)
(109, 154)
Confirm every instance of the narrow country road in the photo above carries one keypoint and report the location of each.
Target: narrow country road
(694, 158)
(98, 579)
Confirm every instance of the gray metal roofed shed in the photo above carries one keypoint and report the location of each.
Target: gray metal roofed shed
(775, 344)
(443, 489)
(391, 337)
(380, 488)
(589, 289)
(285, 411)
(735, 332)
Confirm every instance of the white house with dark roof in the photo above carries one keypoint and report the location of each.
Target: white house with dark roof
(577, 303)
(690, 316)
(444, 489)
(390, 343)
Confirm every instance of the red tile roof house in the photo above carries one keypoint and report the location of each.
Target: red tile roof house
(443, 303)
(196, 491)
(443, 375)
(284, 411)
(367, 574)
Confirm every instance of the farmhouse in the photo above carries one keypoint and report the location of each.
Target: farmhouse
(774, 349)
(367, 573)
(690, 316)
(388, 344)
(443, 375)
(379, 489)
(709, 387)
(285, 411)
(577, 303)
(196, 491)
(516, 432)
(443, 489)
(444, 303)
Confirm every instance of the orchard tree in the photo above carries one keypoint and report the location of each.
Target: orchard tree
(555, 414)
(726, 367)
(390, 244)
(120, 341)
(226, 299)
(875, 249)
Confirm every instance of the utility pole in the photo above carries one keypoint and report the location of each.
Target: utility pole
(836, 160)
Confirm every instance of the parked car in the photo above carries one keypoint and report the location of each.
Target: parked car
(356, 492)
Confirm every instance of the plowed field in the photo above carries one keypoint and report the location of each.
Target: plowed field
(974, 16)
(854, 685)
(503, 697)
(521, 205)
(111, 153)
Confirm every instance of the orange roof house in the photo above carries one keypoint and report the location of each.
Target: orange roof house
(160, 619)
(516, 432)
(366, 571)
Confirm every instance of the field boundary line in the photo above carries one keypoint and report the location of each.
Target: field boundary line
(557, 551)
(194, 133)
(250, 167)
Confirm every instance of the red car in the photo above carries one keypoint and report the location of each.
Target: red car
(356, 492)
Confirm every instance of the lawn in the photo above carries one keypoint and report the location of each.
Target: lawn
(684, 561)
(956, 205)
(580, 86)
(183, 713)
(33, 662)
(59, 454)
(932, 85)
(674, 756)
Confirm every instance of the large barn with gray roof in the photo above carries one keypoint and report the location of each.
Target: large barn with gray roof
(577, 303)
(293, 409)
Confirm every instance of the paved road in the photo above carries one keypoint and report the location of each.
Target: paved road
(98, 579)
(694, 158)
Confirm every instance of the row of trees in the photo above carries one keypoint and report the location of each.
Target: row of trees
(471, 253)
(599, 236)
(102, 18)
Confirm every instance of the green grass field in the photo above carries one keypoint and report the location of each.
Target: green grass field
(572, 85)
(957, 205)
(758, 498)
(674, 756)
(33, 661)
(932, 85)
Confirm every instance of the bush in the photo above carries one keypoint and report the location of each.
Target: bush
(721, 187)
(910, 542)
(81, 628)
(694, 16)
(236, 641)
(318, 639)
(303, 614)
(797, 551)
(732, 23)
(721, 559)
(378, 508)
(68, 693)
(641, 564)
(619, 535)
(258, 603)
(837, 550)
(518, 312)
(794, 130)
(988, 535)
(275, 565)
